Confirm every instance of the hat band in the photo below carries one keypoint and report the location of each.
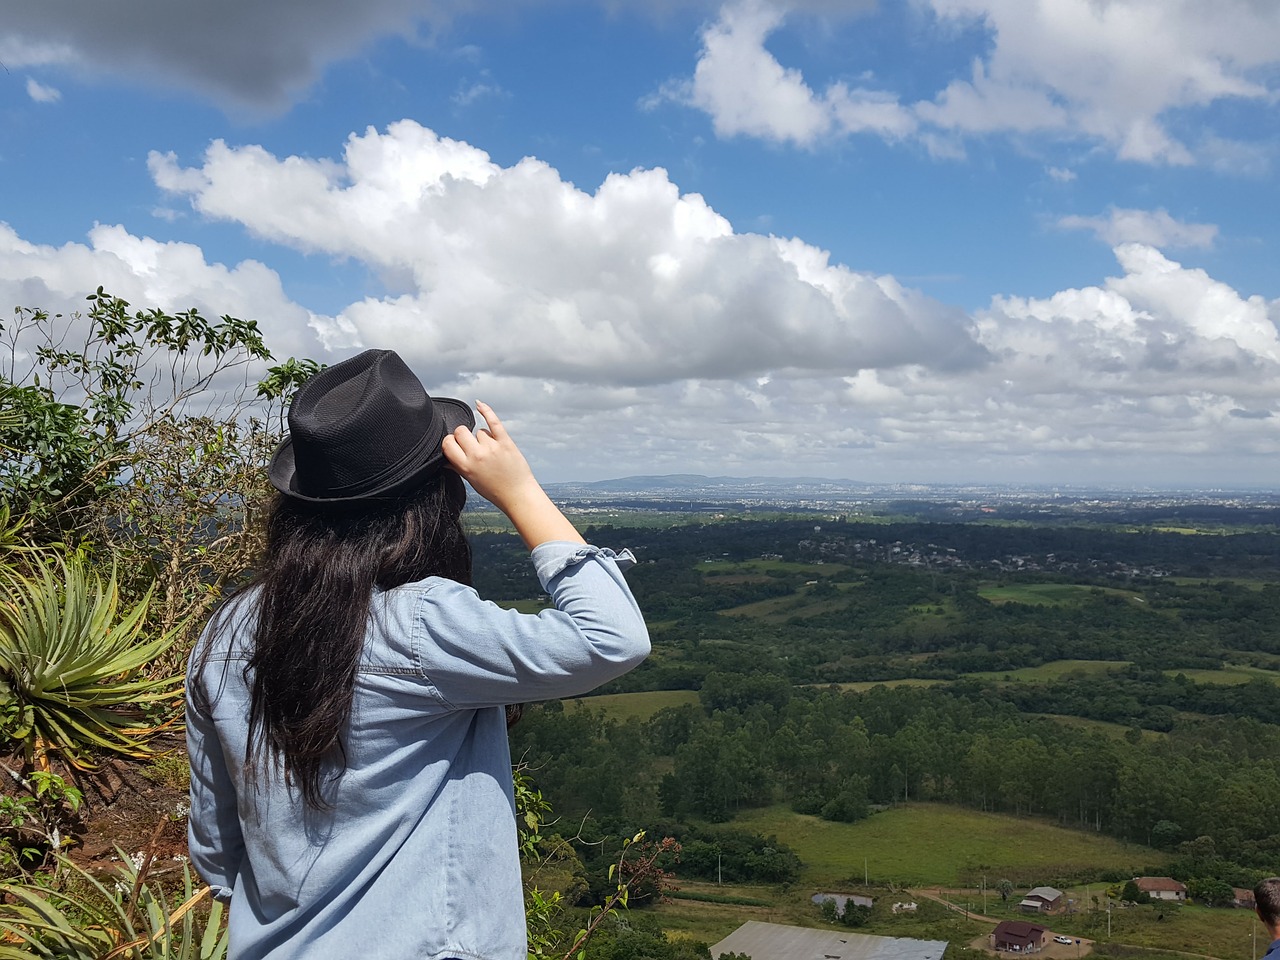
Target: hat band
(373, 482)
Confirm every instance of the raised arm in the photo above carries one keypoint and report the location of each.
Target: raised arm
(491, 462)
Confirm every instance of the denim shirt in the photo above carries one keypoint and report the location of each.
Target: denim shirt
(417, 857)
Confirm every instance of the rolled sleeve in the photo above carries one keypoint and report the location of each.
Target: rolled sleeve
(477, 654)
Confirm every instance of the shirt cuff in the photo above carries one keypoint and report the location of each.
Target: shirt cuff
(554, 557)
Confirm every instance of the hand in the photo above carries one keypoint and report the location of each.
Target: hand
(491, 462)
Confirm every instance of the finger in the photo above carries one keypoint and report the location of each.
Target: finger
(496, 429)
(452, 451)
(463, 439)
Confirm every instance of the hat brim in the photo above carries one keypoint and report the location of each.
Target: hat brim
(283, 474)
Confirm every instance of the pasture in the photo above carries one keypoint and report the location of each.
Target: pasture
(1053, 670)
(642, 706)
(1228, 674)
(933, 844)
(1048, 594)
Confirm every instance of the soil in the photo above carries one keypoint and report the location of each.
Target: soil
(127, 805)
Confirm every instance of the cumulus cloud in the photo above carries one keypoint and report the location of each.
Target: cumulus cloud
(1112, 72)
(746, 91)
(40, 93)
(634, 283)
(1153, 227)
(638, 315)
(149, 273)
(634, 330)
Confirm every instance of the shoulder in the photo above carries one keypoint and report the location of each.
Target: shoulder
(229, 632)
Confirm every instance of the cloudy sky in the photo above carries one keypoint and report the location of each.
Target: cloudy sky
(1023, 241)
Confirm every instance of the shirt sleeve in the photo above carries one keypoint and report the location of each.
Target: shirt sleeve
(213, 826)
(477, 654)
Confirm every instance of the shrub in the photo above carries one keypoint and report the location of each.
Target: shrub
(70, 661)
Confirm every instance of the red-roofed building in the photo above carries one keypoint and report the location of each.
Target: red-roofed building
(1161, 888)
(1018, 936)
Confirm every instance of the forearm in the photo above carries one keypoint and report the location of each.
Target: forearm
(537, 520)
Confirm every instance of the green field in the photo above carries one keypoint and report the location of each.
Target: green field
(1113, 730)
(1230, 674)
(624, 706)
(932, 844)
(1053, 670)
(862, 686)
(524, 606)
(1048, 593)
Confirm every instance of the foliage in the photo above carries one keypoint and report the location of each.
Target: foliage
(124, 917)
(131, 435)
(73, 438)
(72, 666)
(37, 821)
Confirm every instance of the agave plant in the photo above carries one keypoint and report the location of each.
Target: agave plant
(74, 665)
(120, 917)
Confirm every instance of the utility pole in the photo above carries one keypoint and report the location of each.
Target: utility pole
(719, 874)
(1108, 918)
(866, 879)
(984, 894)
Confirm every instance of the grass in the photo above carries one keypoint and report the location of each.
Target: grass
(862, 686)
(1053, 594)
(170, 770)
(1114, 730)
(1217, 932)
(1230, 674)
(624, 706)
(932, 844)
(1053, 670)
(781, 609)
(524, 606)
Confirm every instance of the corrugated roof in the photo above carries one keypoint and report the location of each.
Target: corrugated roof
(1147, 884)
(776, 941)
(1049, 893)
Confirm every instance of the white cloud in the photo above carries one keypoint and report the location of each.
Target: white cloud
(469, 93)
(634, 283)
(1155, 228)
(746, 91)
(1061, 174)
(149, 273)
(638, 316)
(1113, 72)
(40, 93)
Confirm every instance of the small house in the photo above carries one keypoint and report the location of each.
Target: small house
(1018, 936)
(1041, 900)
(1161, 888)
(1240, 897)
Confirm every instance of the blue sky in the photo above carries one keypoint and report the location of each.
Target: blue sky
(925, 240)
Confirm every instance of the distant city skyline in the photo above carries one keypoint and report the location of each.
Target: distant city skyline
(930, 241)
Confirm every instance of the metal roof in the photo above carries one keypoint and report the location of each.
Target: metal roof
(775, 941)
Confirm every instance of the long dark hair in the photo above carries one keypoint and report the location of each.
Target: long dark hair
(316, 584)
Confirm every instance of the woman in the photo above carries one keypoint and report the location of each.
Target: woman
(350, 778)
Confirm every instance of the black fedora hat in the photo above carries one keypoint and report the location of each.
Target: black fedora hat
(361, 429)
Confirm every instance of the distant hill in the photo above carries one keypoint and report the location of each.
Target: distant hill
(692, 484)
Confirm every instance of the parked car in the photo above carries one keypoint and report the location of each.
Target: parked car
(1061, 939)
